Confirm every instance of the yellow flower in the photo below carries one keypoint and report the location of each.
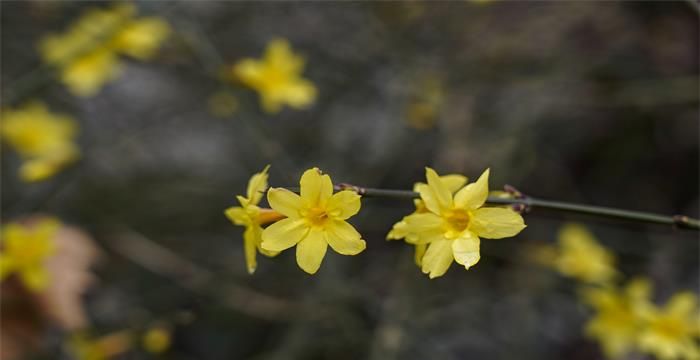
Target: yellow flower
(453, 224)
(671, 332)
(315, 219)
(253, 217)
(156, 340)
(43, 140)
(400, 230)
(87, 74)
(83, 347)
(277, 78)
(87, 53)
(582, 257)
(140, 38)
(618, 319)
(25, 250)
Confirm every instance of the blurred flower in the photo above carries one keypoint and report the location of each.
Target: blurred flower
(140, 38)
(400, 230)
(222, 104)
(25, 250)
(82, 347)
(43, 140)
(277, 78)
(423, 110)
(671, 332)
(582, 257)
(315, 219)
(618, 319)
(453, 224)
(253, 217)
(156, 340)
(87, 53)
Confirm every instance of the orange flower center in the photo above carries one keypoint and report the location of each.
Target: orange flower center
(457, 220)
(316, 216)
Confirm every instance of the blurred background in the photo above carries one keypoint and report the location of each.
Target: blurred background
(591, 102)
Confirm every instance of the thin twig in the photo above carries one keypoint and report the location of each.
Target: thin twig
(525, 203)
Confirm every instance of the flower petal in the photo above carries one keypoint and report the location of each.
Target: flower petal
(316, 188)
(419, 253)
(284, 201)
(284, 234)
(435, 195)
(474, 195)
(237, 215)
(496, 223)
(344, 239)
(453, 182)
(35, 278)
(344, 204)
(466, 250)
(437, 258)
(250, 248)
(682, 304)
(311, 250)
(257, 186)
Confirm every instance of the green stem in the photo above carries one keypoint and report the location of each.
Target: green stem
(524, 203)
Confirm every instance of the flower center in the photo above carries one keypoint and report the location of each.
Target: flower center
(316, 216)
(457, 220)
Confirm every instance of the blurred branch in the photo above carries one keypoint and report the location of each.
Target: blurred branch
(160, 260)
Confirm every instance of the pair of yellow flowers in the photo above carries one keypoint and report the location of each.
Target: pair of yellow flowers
(448, 222)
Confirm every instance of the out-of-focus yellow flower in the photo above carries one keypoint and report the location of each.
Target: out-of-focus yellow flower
(277, 78)
(672, 331)
(43, 140)
(141, 38)
(89, 73)
(156, 340)
(25, 249)
(253, 217)
(83, 347)
(618, 319)
(453, 224)
(400, 230)
(582, 257)
(423, 110)
(87, 53)
(315, 219)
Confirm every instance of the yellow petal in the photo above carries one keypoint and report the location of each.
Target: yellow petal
(299, 94)
(682, 304)
(398, 231)
(474, 195)
(35, 278)
(344, 239)
(284, 201)
(7, 266)
(284, 234)
(316, 189)
(419, 253)
(257, 186)
(344, 204)
(248, 71)
(435, 195)
(437, 258)
(496, 223)
(279, 56)
(250, 248)
(453, 182)
(311, 250)
(237, 215)
(141, 38)
(466, 250)
(423, 225)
